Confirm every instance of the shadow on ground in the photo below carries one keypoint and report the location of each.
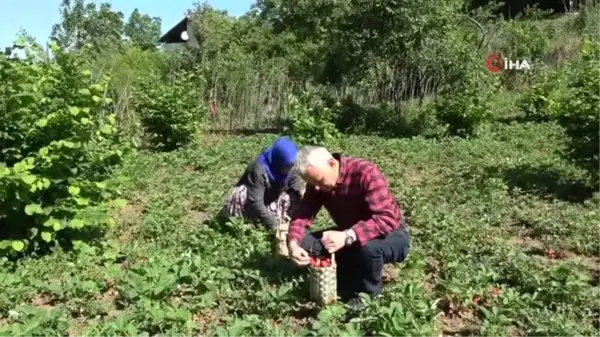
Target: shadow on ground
(544, 181)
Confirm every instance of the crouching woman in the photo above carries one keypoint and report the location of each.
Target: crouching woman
(268, 190)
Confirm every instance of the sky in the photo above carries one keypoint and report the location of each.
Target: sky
(38, 16)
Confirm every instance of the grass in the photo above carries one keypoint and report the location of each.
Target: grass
(504, 242)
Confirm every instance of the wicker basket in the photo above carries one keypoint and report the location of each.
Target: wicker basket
(323, 283)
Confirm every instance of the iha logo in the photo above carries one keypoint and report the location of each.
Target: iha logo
(495, 63)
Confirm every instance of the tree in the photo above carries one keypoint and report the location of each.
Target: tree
(83, 24)
(142, 30)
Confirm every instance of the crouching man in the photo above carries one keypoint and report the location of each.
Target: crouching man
(369, 230)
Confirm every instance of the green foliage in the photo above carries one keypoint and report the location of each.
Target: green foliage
(569, 95)
(542, 100)
(166, 270)
(588, 21)
(503, 204)
(142, 30)
(461, 111)
(387, 120)
(309, 122)
(525, 39)
(579, 115)
(465, 104)
(102, 28)
(171, 111)
(59, 142)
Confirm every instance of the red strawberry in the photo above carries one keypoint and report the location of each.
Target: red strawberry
(476, 299)
(495, 292)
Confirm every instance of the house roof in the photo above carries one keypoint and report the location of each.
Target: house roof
(174, 34)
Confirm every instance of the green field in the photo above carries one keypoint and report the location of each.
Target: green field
(116, 154)
(485, 215)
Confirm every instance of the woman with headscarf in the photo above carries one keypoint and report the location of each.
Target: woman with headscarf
(267, 189)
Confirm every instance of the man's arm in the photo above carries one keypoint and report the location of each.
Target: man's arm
(381, 203)
(255, 203)
(310, 204)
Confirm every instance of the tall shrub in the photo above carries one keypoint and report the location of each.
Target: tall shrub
(172, 110)
(580, 116)
(58, 143)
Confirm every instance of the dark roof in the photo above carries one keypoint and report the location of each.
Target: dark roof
(174, 34)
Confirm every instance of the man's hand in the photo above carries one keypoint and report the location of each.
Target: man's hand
(298, 255)
(333, 240)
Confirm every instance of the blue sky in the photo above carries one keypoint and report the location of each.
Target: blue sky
(38, 16)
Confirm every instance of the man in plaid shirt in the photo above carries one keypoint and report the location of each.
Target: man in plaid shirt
(369, 223)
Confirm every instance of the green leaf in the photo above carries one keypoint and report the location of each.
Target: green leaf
(77, 223)
(5, 244)
(57, 226)
(68, 144)
(50, 222)
(101, 185)
(42, 122)
(106, 129)
(46, 236)
(74, 190)
(85, 121)
(4, 171)
(84, 91)
(74, 110)
(82, 201)
(43, 151)
(18, 245)
(96, 99)
(32, 209)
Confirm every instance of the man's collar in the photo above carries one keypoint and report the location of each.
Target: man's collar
(342, 161)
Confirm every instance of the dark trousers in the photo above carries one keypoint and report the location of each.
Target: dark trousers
(359, 268)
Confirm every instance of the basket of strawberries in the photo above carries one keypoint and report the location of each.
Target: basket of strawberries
(323, 279)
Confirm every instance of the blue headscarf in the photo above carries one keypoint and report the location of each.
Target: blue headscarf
(281, 154)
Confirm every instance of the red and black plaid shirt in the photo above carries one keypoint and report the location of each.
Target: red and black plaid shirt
(361, 200)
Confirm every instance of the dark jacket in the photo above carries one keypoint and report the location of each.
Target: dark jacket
(261, 192)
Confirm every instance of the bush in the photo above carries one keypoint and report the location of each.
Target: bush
(580, 116)
(541, 102)
(405, 119)
(525, 39)
(58, 142)
(463, 106)
(172, 111)
(309, 121)
(588, 20)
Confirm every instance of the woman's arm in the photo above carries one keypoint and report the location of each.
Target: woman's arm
(256, 185)
(295, 184)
